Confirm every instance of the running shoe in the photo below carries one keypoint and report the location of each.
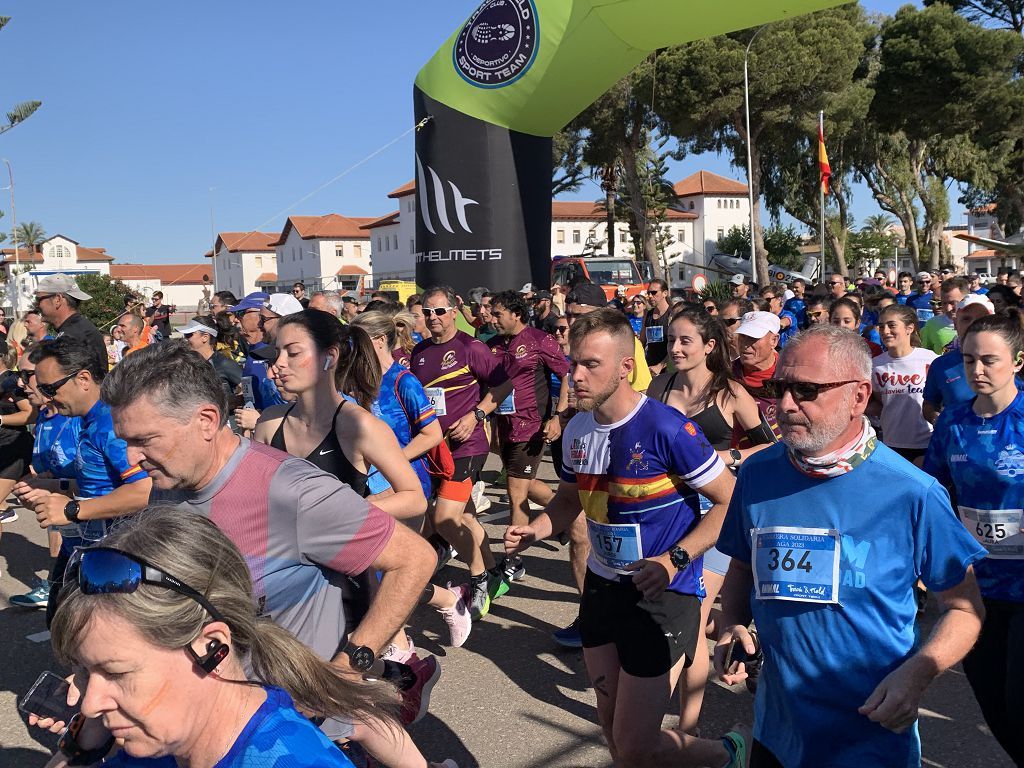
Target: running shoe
(39, 597)
(497, 584)
(444, 551)
(479, 597)
(416, 700)
(457, 617)
(513, 568)
(570, 636)
(401, 655)
(480, 499)
(738, 742)
(8, 516)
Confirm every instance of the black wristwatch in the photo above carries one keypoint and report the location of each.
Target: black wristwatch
(360, 657)
(680, 557)
(75, 752)
(480, 415)
(736, 457)
(71, 510)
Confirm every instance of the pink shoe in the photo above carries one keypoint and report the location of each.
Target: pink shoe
(457, 617)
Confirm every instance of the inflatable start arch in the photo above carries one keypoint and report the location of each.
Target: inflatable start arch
(501, 86)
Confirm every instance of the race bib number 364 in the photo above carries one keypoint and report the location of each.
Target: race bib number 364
(800, 564)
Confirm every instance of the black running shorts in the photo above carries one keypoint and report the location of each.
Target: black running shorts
(649, 635)
(522, 459)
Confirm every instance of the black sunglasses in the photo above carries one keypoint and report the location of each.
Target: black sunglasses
(802, 391)
(561, 329)
(104, 570)
(24, 376)
(49, 391)
(731, 320)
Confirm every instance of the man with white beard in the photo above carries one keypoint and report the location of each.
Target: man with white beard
(829, 531)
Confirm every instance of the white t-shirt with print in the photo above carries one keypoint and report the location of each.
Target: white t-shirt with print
(899, 384)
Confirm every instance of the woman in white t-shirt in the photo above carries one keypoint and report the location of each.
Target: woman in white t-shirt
(897, 383)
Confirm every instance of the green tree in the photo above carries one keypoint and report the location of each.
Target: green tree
(108, 299)
(1008, 14)
(31, 234)
(569, 170)
(20, 112)
(794, 67)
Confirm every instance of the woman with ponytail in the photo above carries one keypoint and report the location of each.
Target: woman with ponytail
(174, 667)
(316, 357)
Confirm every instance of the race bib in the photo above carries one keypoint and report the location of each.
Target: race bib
(615, 546)
(800, 564)
(705, 504)
(997, 530)
(436, 397)
(924, 315)
(655, 333)
(247, 394)
(508, 405)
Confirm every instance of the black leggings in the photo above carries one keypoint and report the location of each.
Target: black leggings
(995, 670)
(760, 757)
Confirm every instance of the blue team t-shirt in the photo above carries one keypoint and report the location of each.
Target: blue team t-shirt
(404, 406)
(102, 461)
(276, 736)
(637, 481)
(637, 323)
(264, 390)
(785, 334)
(922, 303)
(946, 384)
(798, 307)
(823, 660)
(56, 445)
(983, 460)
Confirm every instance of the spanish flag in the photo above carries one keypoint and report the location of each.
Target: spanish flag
(823, 166)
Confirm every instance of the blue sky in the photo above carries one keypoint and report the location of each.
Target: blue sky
(154, 114)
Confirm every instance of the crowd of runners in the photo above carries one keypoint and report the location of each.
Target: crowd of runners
(246, 513)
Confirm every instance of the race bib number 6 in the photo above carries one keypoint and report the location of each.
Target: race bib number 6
(436, 397)
(800, 564)
(615, 546)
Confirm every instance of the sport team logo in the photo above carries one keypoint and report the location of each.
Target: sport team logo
(520, 352)
(448, 360)
(690, 429)
(498, 44)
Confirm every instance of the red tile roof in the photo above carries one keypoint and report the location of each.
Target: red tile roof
(383, 221)
(167, 274)
(331, 226)
(24, 256)
(267, 277)
(246, 241)
(409, 188)
(27, 257)
(571, 209)
(984, 253)
(93, 254)
(707, 183)
(351, 269)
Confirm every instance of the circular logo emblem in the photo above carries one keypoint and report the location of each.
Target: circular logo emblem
(498, 44)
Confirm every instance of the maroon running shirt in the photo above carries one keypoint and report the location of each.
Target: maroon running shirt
(451, 373)
(527, 357)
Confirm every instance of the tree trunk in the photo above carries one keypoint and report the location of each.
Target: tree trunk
(899, 204)
(609, 183)
(647, 247)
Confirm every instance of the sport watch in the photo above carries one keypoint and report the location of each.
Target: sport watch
(360, 657)
(480, 415)
(736, 457)
(680, 557)
(71, 510)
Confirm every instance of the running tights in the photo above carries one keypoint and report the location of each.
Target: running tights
(995, 670)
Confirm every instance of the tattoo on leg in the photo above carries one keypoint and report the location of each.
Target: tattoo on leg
(599, 685)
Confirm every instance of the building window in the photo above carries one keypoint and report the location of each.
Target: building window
(719, 203)
(681, 235)
(576, 236)
(339, 251)
(623, 236)
(721, 233)
(412, 245)
(396, 241)
(691, 205)
(357, 250)
(559, 235)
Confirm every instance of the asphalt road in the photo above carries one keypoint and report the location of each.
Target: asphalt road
(509, 697)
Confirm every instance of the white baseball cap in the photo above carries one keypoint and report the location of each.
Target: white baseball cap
(757, 324)
(977, 298)
(196, 327)
(283, 304)
(736, 279)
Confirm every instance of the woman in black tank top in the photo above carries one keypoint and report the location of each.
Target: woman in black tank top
(702, 387)
(315, 353)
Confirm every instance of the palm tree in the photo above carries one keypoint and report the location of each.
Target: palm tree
(31, 234)
(878, 224)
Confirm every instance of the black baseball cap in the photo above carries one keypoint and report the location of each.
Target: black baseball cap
(587, 293)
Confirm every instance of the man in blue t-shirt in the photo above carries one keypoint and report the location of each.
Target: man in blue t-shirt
(258, 390)
(797, 305)
(946, 383)
(106, 485)
(633, 465)
(921, 299)
(826, 567)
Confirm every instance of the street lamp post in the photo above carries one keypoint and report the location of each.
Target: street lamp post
(14, 236)
(750, 163)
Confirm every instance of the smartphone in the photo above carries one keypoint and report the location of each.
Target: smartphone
(735, 653)
(48, 697)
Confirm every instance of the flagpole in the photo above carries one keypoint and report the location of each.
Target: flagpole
(821, 197)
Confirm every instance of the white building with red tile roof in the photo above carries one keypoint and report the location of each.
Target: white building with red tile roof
(20, 272)
(719, 204)
(323, 252)
(244, 261)
(183, 285)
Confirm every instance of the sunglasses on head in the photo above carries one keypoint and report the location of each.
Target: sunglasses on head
(105, 570)
(439, 311)
(49, 391)
(802, 391)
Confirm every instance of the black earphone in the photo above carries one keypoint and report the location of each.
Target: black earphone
(216, 652)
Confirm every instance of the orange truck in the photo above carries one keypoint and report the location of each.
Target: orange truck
(607, 271)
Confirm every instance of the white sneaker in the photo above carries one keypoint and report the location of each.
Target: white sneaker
(457, 617)
(480, 499)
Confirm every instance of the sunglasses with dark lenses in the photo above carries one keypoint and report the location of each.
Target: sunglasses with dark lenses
(49, 391)
(24, 376)
(731, 320)
(802, 391)
(437, 311)
(108, 571)
(561, 329)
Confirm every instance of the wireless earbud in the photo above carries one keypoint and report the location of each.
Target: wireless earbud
(328, 362)
(216, 652)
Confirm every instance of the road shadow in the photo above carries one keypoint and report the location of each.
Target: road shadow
(24, 559)
(18, 757)
(441, 742)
